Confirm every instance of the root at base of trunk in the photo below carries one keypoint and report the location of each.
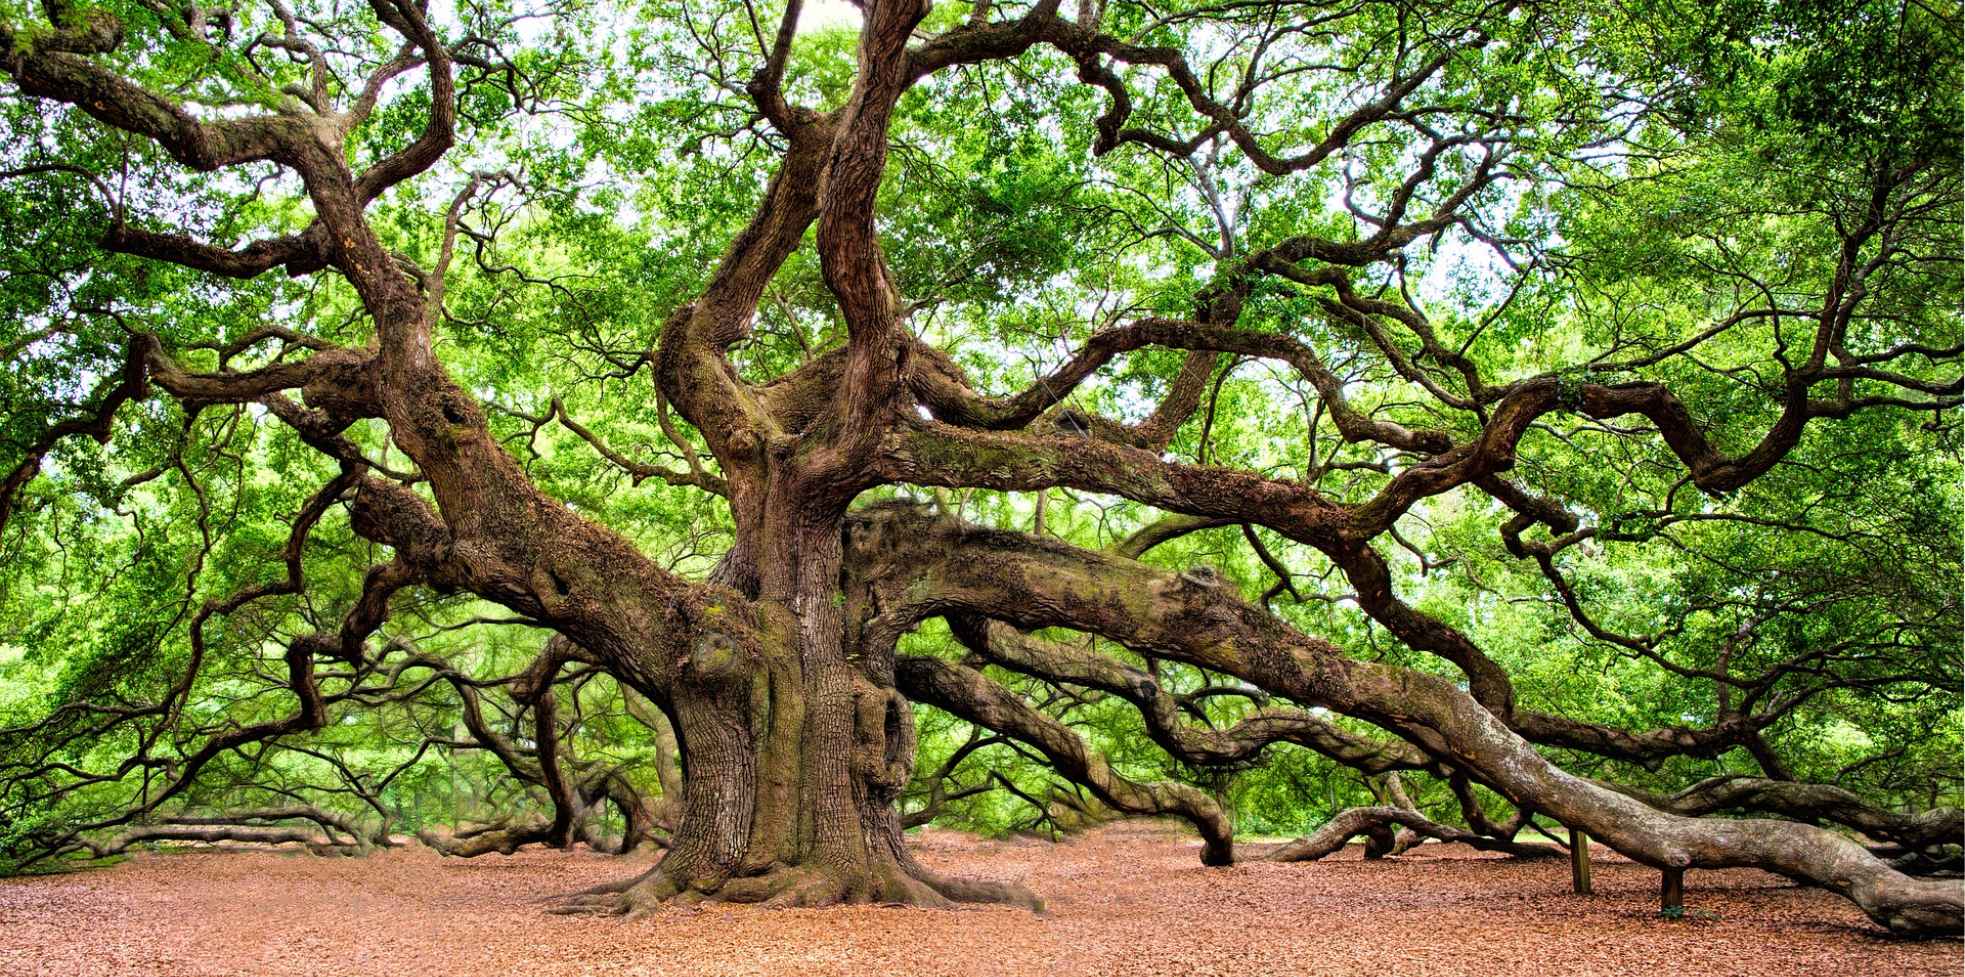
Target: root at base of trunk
(792, 886)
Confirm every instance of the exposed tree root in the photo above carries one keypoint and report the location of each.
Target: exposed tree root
(984, 891)
(792, 887)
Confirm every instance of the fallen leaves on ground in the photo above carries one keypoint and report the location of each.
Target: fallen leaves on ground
(1127, 899)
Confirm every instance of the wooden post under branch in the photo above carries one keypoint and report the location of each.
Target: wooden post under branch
(1579, 861)
(1671, 894)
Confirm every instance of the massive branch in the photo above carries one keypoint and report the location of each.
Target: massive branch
(1033, 583)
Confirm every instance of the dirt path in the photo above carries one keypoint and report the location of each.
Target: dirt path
(1130, 900)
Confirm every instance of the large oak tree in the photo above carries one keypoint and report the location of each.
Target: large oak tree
(1336, 284)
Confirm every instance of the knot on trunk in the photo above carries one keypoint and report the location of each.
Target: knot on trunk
(883, 754)
(716, 658)
(1201, 575)
(345, 386)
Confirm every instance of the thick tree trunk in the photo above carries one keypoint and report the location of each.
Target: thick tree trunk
(793, 758)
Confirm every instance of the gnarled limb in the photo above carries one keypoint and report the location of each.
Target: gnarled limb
(1048, 660)
(968, 694)
(210, 831)
(1373, 822)
(1169, 615)
(1932, 829)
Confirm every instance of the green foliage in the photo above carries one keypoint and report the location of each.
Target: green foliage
(1670, 164)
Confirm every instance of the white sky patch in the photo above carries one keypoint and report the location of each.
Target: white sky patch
(823, 15)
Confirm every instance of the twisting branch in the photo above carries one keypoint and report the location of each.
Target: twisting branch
(1240, 743)
(967, 694)
(1334, 834)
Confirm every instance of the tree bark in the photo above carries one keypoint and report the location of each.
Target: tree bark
(793, 757)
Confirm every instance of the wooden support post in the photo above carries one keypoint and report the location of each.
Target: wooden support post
(1671, 894)
(1579, 861)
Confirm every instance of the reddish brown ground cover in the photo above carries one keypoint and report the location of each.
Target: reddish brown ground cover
(1128, 900)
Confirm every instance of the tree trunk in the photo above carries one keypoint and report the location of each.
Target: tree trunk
(792, 759)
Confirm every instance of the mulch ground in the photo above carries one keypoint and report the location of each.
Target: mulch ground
(1129, 899)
